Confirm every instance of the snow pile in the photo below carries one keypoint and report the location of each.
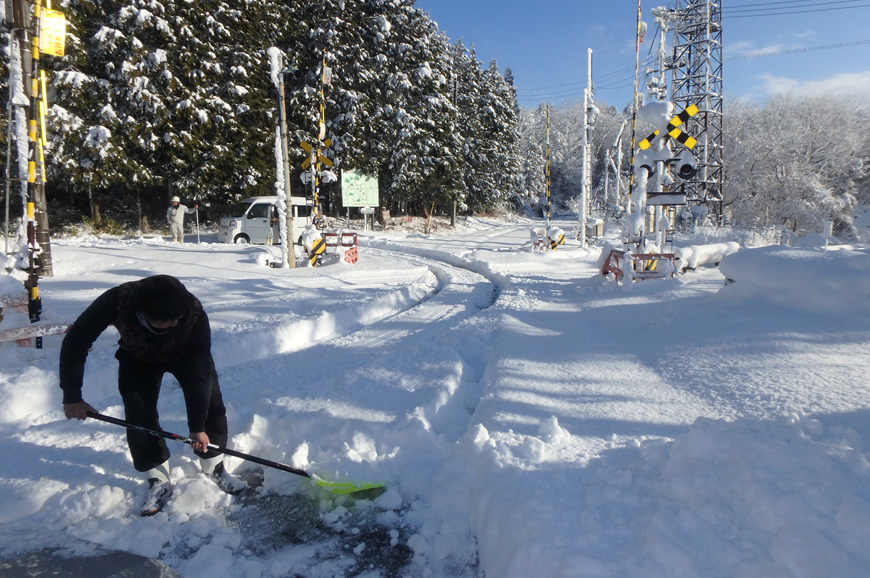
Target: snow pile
(694, 256)
(11, 289)
(741, 498)
(836, 280)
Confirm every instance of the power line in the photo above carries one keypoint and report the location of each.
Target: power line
(614, 80)
(558, 94)
(579, 83)
(756, 4)
(750, 14)
(615, 76)
(799, 50)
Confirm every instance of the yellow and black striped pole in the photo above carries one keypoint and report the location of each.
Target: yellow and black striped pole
(34, 97)
(317, 249)
(35, 173)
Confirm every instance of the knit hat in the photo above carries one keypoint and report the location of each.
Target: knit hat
(161, 298)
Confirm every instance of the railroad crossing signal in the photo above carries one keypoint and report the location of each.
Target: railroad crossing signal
(310, 150)
(675, 132)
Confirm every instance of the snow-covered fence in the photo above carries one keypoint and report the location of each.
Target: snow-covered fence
(624, 264)
(346, 240)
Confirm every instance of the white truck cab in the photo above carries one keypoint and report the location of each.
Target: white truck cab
(256, 220)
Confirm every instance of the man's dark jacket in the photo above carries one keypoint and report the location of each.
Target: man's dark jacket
(189, 343)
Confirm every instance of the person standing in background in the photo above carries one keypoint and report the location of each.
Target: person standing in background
(175, 217)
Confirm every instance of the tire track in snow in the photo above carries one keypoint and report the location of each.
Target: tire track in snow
(459, 294)
(436, 379)
(240, 347)
(465, 288)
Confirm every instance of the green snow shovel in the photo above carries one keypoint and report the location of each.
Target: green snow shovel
(339, 488)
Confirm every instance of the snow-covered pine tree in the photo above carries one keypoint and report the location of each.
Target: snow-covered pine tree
(499, 174)
(163, 98)
(223, 130)
(411, 129)
(532, 132)
(470, 123)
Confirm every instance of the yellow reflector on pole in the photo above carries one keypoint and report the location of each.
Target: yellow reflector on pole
(43, 106)
(42, 160)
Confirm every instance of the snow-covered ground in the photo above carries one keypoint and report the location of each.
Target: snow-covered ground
(528, 416)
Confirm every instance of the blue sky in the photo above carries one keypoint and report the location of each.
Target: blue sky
(544, 43)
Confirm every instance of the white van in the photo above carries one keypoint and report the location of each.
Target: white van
(255, 219)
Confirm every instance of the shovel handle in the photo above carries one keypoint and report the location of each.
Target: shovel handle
(189, 441)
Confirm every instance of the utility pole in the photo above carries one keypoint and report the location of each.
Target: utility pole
(279, 71)
(547, 166)
(640, 35)
(288, 207)
(11, 114)
(26, 20)
(589, 114)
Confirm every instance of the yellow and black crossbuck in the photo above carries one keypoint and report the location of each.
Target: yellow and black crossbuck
(311, 153)
(675, 132)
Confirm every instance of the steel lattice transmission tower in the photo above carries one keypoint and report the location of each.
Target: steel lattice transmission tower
(697, 79)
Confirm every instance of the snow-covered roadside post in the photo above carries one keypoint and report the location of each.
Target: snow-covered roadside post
(590, 113)
(584, 181)
(276, 60)
(827, 231)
